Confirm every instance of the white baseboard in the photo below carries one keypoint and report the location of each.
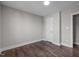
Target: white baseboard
(52, 42)
(56, 43)
(71, 46)
(0, 51)
(24, 43)
(76, 43)
(18, 45)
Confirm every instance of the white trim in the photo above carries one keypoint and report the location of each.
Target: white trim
(0, 51)
(72, 28)
(72, 25)
(56, 43)
(67, 45)
(76, 43)
(18, 45)
(52, 42)
(75, 13)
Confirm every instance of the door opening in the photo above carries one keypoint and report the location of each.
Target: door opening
(75, 30)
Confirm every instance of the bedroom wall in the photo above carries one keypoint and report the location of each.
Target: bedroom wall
(52, 22)
(67, 26)
(52, 28)
(76, 29)
(20, 27)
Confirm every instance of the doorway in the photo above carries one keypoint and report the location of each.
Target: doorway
(75, 30)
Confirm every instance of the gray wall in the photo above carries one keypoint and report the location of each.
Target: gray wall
(52, 32)
(20, 27)
(76, 28)
(67, 26)
(52, 28)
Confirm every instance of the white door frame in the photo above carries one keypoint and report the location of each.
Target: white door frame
(72, 25)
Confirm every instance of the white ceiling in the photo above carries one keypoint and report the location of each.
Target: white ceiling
(37, 7)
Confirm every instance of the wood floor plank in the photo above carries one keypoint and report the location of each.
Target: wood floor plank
(42, 49)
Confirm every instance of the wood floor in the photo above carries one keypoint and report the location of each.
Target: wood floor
(42, 49)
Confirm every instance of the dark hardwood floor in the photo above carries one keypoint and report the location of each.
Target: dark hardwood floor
(42, 49)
